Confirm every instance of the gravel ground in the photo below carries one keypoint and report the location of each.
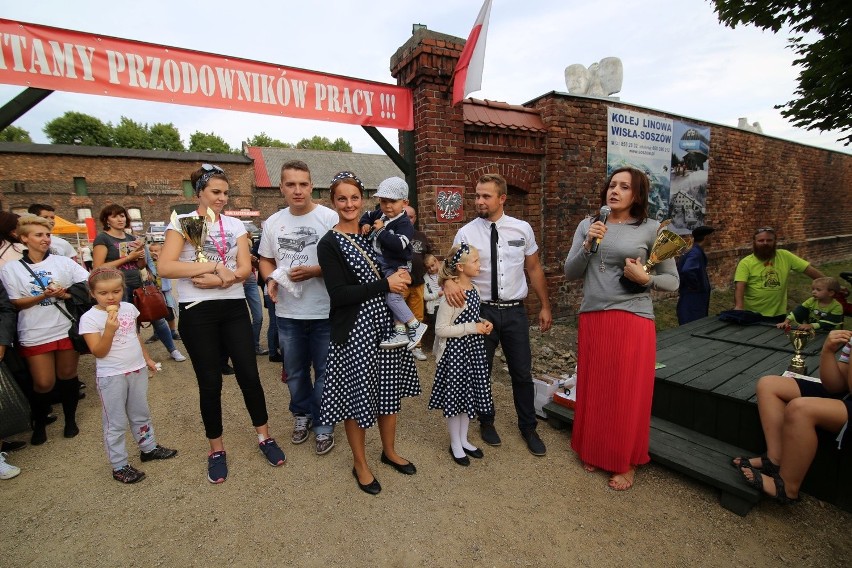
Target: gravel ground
(509, 509)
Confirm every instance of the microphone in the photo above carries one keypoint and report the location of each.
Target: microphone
(605, 211)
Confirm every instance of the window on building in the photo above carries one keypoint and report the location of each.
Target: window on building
(188, 190)
(134, 213)
(83, 213)
(80, 187)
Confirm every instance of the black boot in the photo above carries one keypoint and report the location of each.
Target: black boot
(70, 392)
(39, 407)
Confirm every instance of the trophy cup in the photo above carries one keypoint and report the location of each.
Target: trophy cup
(194, 229)
(667, 245)
(799, 338)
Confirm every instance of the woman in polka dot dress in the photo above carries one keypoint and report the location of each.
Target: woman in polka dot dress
(363, 384)
(462, 385)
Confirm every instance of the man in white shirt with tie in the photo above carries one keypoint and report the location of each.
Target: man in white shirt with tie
(507, 248)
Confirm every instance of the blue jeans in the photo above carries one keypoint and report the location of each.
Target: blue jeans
(304, 342)
(255, 307)
(512, 332)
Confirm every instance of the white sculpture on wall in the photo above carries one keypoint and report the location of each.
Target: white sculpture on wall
(601, 79)
(744, 125)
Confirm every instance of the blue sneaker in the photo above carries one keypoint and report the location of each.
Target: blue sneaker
(217, 467)
(274, 455)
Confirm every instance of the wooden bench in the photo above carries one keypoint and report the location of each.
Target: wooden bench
(689, 452)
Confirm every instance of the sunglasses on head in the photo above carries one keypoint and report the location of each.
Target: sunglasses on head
(764, 230)
(212, 168)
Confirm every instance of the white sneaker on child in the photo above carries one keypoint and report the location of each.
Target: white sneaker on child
(396, 339)
(418, 354)
(7, 470)
(415, 334)
(177, 356)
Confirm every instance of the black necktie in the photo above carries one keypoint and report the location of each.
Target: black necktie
(494, 294)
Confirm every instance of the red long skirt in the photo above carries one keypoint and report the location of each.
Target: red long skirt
(615, 385)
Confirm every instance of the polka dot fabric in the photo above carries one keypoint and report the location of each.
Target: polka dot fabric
(361, 380)
(462, 383)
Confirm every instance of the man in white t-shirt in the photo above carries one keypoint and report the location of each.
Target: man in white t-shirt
(58, 245)
(288, 248)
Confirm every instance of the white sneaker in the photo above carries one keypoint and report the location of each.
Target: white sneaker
(394, 341)
(177, 356)
(7, 470)
(415, 334)
(418, 354)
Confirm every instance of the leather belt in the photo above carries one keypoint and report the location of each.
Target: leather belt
(501, 305)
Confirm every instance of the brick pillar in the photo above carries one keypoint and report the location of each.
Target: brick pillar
(425, 64)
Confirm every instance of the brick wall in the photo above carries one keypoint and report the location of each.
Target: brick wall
(555, 180)
(152, 185)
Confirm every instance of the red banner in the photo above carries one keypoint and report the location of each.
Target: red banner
(63, 60)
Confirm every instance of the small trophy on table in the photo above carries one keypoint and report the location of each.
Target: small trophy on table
(194, 230)
(799, 338)
(667, 245)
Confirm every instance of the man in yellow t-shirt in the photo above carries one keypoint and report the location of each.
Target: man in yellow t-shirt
(761, 277)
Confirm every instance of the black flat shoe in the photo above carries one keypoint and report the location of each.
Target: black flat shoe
(407, 469)
(461, 461)
(373, 488)
(476, 453)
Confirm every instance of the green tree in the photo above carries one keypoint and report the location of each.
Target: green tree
(203, 142)
(78, 128)
(266, 141)
(15, 134)
(323, 143)
(131, 134)
(823, 98)
(166, 137)
(341, 145)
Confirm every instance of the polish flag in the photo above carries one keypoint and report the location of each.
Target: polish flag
(467, 77)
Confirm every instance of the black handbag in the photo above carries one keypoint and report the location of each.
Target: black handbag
(14, 408)
(77, 340)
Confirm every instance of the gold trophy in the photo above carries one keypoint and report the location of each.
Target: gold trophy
(799, 338)
(667, 245)
(194, 229)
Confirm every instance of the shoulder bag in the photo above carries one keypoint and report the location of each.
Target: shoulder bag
(77, 340)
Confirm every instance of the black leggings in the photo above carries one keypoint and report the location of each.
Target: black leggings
(208, 329)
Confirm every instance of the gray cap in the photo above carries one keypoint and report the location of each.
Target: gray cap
(393, 188)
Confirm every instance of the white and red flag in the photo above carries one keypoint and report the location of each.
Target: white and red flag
(467, 77)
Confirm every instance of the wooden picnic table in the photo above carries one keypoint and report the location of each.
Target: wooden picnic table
(708, 382)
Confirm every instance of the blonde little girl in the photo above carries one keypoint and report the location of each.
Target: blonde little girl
(462, 387)
(122, 377)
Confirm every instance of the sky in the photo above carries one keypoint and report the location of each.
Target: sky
(677, 57)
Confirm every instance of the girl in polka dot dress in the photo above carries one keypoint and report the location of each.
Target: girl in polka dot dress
(462, 387)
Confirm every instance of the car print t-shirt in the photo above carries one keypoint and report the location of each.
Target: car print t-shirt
(292, 241)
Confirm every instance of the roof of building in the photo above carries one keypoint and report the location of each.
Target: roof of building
(107, 152)
(502, 115)
(371, 169)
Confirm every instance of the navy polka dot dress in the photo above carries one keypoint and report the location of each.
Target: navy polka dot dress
(363, 381)
(462, 383)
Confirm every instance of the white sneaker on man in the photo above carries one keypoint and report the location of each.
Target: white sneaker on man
(418, 354)
(177, 356)
(7, 470)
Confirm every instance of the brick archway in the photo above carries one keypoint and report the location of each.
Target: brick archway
(516, 177)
